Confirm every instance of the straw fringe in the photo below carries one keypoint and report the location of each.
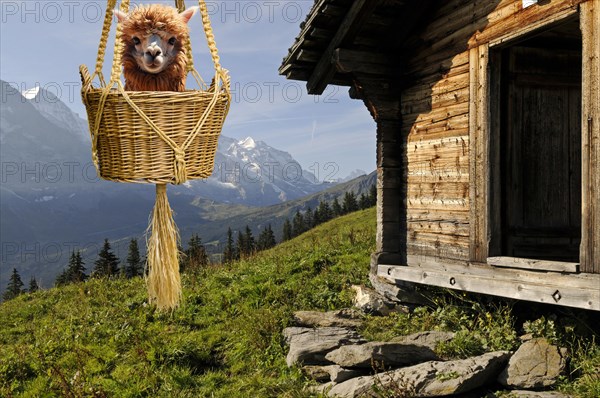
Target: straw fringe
(163, 280)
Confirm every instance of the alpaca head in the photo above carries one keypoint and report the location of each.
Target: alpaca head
(153, 37)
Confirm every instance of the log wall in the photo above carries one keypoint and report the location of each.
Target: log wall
(436, 122)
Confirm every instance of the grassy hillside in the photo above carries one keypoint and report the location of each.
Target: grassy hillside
(100, 339)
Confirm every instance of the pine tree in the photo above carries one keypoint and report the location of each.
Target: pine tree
(325, 212)
(241, 245)
(271, 241)
(309, 220)
(337, 208)
(266, 239)
(62, 278)
(350, 203)
(15, 286)
(76, 269)
(373, 195)
(250, 243)
(134, 265)
(287, 230)
(298, 226)
(107, 264)
(195, 255)
(34, 286)
(229, 253)
(364, 202)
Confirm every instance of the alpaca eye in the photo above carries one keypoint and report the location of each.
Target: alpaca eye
(136, 41)
(172, 41)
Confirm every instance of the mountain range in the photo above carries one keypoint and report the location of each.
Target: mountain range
(52, 202)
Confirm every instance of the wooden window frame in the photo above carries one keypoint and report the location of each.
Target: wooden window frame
(484, 119)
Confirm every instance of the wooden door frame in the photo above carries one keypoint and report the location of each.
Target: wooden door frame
(484, 125)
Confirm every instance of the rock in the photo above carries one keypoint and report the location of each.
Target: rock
(428, 339)
(321, 388)
(316, 373)
(353, 388)
(338, 374)
(536, 364)
(526, 337)
(381, 354)
(395, 293)
(429, 379)
(371, 302)
(309, 346)
(535, 394)
(334, 373)
(346, 318)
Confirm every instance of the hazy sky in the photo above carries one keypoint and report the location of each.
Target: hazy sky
(43, 42)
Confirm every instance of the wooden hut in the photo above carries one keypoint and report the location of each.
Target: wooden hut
(488, 137)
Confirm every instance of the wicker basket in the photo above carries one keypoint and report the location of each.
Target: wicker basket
(154, 136)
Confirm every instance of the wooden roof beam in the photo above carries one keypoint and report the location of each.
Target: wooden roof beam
(358, 13)
(347, 61)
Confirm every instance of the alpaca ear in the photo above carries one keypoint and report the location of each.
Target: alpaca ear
(121, 16)
(189, 13)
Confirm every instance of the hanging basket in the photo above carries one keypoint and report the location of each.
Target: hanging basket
(154, 136)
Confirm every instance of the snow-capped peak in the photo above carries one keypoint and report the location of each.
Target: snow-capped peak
(31, 93)
(247, 143)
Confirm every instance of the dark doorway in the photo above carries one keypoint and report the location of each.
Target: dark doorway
(540, 145)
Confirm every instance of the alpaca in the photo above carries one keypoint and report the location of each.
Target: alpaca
(154, 57)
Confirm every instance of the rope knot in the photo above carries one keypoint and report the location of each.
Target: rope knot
(180, 171)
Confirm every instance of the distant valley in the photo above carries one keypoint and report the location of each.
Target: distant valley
(51, 201)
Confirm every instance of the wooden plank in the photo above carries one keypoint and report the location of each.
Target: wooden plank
(453, 228)
(478, 153)
(449, 252)
(590, 178)
(437, 114)
(549, 288)
(462, 134)
(358, 13)
(439, 190)
(347, 61)
(429, 170)
(495, 112)
(439, 65)
(525, 22)
(537, 265)
(479, 269)
(428, 103)
(437, 203)
(435, 85)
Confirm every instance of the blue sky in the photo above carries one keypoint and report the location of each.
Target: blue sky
(43, 42)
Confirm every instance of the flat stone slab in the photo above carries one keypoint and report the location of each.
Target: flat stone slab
(536, 364)
(430, 379)
(333, 373)
(381, 354)
(428, 339)
(535, 394)
(346, 318)
(308, 346)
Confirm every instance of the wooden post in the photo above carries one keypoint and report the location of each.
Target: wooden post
(479, 154)
(391, 195)
(590, 124)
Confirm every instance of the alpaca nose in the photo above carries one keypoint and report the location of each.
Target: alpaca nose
(153, 51)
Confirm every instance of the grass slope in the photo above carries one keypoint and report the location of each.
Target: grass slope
(100, 339)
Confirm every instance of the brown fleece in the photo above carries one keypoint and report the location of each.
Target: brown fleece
(143, 21)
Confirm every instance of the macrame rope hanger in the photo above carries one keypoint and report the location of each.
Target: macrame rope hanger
(107, 105)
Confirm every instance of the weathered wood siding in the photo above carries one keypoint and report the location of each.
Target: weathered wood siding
(435, 114)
